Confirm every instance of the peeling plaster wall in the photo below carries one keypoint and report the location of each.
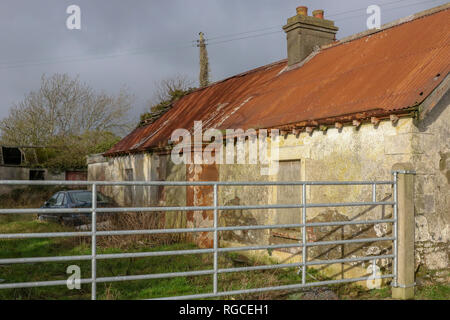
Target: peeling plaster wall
(432, 187)
(364, 153)
(244, 195)
(368, 153)
(142, 167)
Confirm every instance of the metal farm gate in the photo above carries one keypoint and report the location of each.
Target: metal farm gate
(215, 229)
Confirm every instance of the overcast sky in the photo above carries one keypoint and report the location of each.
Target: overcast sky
(138, 42)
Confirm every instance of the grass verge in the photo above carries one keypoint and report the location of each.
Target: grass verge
(139, 289)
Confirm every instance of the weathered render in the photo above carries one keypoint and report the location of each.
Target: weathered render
(350, 111)
(141, 167)
(431, 158)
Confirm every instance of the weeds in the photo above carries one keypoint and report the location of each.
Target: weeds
(138, 266)
(120, 267)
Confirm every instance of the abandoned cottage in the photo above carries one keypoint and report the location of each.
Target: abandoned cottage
(347, 110)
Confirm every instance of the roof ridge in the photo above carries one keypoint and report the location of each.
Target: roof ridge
(226, 79)
(388, 25)
(350, 38)
(243, 74)
(217, 82)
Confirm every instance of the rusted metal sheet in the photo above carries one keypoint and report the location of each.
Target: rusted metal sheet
(201, 196)
(385, 72)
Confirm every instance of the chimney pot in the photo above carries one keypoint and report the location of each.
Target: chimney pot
(303, 11)
(318, 14)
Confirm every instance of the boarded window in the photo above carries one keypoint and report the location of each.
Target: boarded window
(289, 171)
(128, 192)
(128, 174)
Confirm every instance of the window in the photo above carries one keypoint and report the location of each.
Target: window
(52, 200)
(65, 200)
(60, 199)
(86, 197)
(11, 156)
(37, 174)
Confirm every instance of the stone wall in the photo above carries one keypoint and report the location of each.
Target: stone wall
(23, 173)
(12, 173)
(432, 187)
(368, 153)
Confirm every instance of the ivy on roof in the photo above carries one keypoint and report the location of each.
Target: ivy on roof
(158, 110)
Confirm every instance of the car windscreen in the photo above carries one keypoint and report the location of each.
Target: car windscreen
(86, 196)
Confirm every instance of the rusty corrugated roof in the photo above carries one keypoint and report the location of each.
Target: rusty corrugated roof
(384, 72)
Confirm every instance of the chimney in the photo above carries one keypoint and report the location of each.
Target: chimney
(305, 32)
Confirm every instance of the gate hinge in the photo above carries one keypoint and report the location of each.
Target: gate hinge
(404, 171)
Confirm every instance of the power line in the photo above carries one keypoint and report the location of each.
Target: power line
(241, 33)
(280, 26)
(339, 19)
(87, 58)
(253, 36)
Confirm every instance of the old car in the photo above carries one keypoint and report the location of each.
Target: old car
(74, 199)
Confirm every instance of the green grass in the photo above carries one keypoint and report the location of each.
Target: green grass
(139, 289)
(433, 291)
(146, 289)
(429, 292)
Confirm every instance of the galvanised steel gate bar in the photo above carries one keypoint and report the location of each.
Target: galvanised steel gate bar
(93, 257)
(304, 251)
(94, 243)
(394, 280)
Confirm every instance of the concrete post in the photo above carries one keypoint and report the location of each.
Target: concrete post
(405, 232)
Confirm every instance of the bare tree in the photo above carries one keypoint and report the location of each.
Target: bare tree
(167, 88)
(63, 111)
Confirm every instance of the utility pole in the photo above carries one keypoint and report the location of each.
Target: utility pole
(204, 61)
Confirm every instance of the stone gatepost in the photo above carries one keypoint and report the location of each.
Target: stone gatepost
(404, 288)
